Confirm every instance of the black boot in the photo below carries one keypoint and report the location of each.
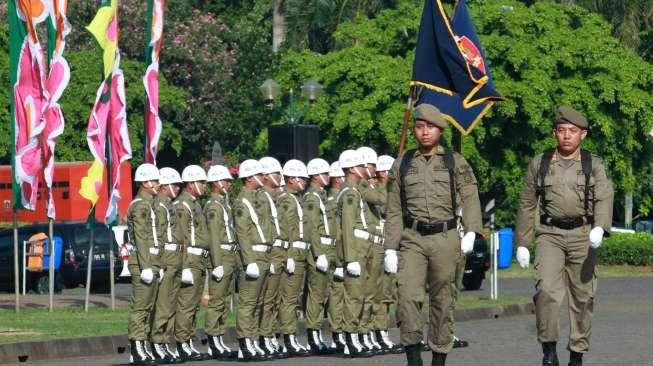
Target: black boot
(355, 348)
(186, 353)
(425, 346)
(173, 354)
(364, 340)
(414, 355)
(315, 346)
(575, 359)
(266, 346)
(215, 349)
(337, 346)
(550, 354)
(138, 355)
(459, 342)
(246, 351)
(294, 349)
(161, 355)
(438, 359)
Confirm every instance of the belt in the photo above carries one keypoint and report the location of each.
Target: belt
(280, 243)
(362, 234)
(567, 223)
(173, 247)
(425, 228)
(263, 248)
(229, 247)
(198, 251)
(325, 240)
(300, 245)
(154, 251)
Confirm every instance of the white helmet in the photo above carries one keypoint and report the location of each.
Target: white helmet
(317, 166)
(169, 176)
(218, 172)
(295, 168)
(270, 165)
(249, 168)
(350, 158)
(336, 171)
(369, 155)
(193, 173)
(146, 172)
(384, 163)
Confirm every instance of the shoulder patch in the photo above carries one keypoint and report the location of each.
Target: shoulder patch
(239, 212)
(350, 200)
(310, 207)
(211, 215)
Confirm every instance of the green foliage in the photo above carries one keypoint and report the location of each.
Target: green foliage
(5, 126)
(541, 56)
(633, 249)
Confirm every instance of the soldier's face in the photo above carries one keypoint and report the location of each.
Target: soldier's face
(426, 134)
(152, 187)
(225, 186)
(569, 137)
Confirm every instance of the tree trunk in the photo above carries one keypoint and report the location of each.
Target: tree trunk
(278, 25)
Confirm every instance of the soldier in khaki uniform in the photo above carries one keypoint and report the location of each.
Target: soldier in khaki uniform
(356, 244)
(336, 302)
(190, 231)
(171, 260)
(224, 259)
(252, 221)
(322, 253)
(375, 197)
(144, 263)
(291, 222)
(269, 324)
(575, 199)
(424, 189)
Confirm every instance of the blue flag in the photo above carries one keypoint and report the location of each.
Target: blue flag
(450, 71)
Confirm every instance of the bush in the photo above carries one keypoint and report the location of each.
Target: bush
(633, 249)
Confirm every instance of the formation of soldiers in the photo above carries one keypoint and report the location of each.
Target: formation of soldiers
(349, 241)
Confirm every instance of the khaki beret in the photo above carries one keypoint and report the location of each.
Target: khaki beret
(428, 113)
(566, 114)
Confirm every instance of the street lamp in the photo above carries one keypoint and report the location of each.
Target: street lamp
(311, 91)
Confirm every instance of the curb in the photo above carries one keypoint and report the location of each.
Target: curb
(25, 352)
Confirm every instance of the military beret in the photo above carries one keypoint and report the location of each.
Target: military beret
(566, 114)
(429, 113)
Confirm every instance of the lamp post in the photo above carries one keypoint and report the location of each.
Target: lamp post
(271, 90)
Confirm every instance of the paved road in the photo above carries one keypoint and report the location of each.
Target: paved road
(622, 334)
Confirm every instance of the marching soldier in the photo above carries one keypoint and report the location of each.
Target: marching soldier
(424, 190)
(388, 287)
(322, 253)
(224, 259)
(375, 199)
(575, 199)
(252, 225)
(144, 263)
(190, 231)
(293, 231)
(336, 301)
(356, 244)
(171, 260)
(272, 186)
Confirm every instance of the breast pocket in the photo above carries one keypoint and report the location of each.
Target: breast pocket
(441, 183)
(580, 187)
(413, 186)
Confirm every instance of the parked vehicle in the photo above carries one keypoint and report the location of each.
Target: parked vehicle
(72, 271)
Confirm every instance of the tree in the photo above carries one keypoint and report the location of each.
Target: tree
(541, 56)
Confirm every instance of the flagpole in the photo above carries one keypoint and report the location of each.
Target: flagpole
(89, 261)
(51, 264)
(404, 127)
(109, 191)
(16, 271)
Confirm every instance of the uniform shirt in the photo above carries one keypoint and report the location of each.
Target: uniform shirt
(428, 194)
(220, 226)
(334, 223)
(564, 195)
(350, 205)
(375, 198)
(289, 221)
(163, 210)
(189, 219)
(314, 219)
(267, 197)
(246, 229)
(142, 231)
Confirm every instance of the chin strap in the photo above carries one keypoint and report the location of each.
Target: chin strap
(258, 181)
(323, 180)
(172, 191)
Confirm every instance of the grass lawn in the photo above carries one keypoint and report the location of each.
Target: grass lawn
(515, 271)
(470, 301)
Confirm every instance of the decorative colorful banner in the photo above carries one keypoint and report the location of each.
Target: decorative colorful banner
(154, 38)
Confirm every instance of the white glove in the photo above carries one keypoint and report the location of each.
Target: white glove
(187, 276)
(467, 242)
(354, 269)
(252, 270)
(339, 273)
(272, 268)
(322, 263)
(218, 273)
(147, 276)
(596, 237)
(290, 265)
(391, 262)
(161, 273)
(523, 256)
